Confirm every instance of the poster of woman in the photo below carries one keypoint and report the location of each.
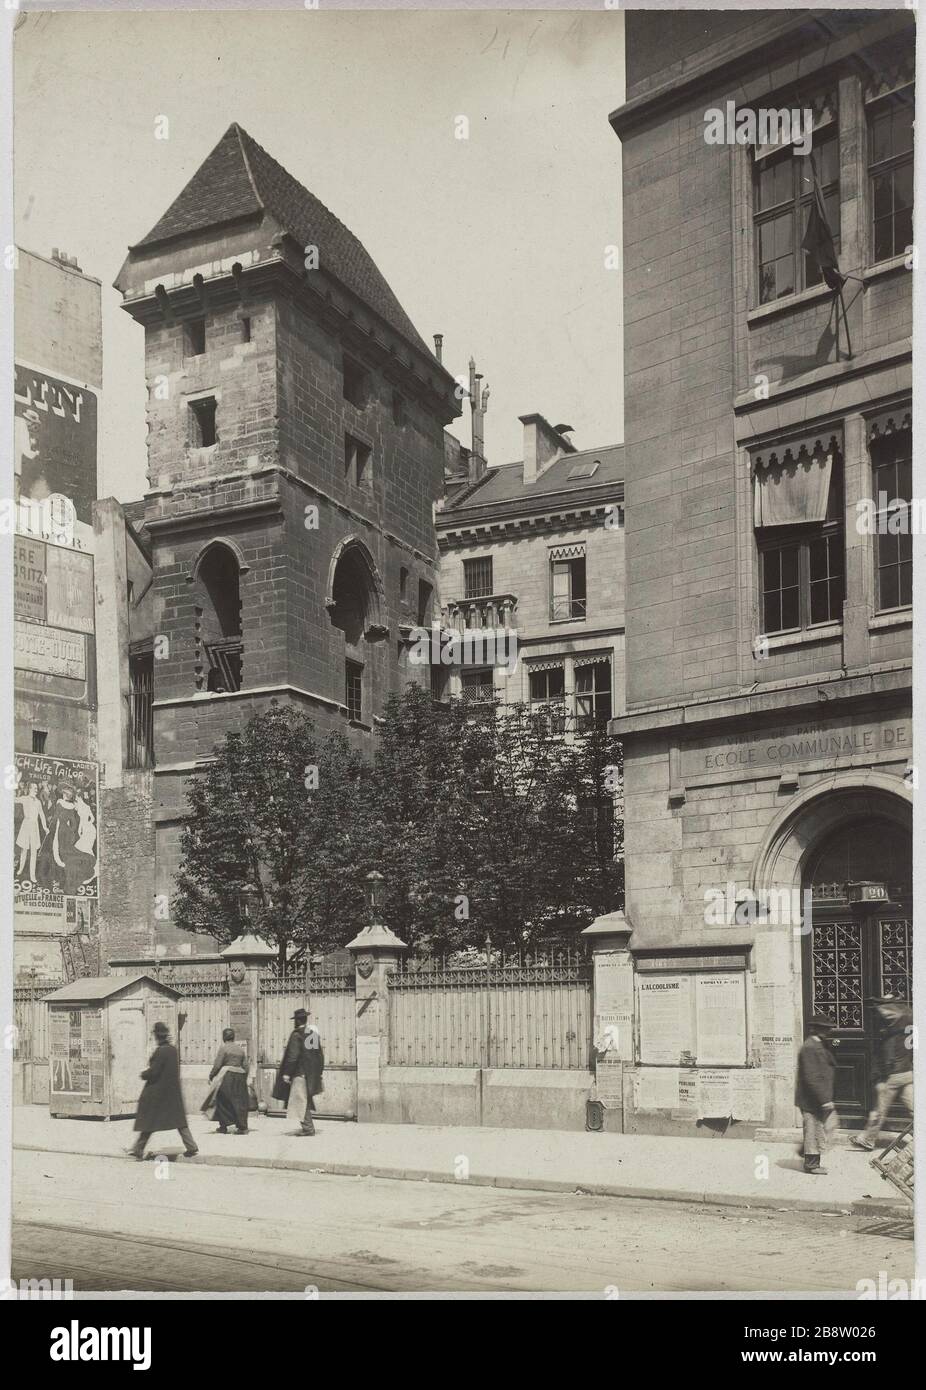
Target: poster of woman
(56, 807)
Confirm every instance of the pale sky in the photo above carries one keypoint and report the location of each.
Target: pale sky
(498, 241)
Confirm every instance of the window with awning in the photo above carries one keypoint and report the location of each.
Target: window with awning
(800, 533)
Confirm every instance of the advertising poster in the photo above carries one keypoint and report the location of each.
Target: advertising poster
(55, 827)
(68, 1056)
(29, 579)
(721, 1005)
(49, 650)
(747, 1093)
(55, 440)
(69, 588)
(714, 1098)
(656, 1090)
(666, 1031)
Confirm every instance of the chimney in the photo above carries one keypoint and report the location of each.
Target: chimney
(543, 445)
(478, 402)
(439, 346)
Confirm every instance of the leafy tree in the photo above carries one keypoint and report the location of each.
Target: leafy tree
(488, 822)
(485, 822)
(277, 817)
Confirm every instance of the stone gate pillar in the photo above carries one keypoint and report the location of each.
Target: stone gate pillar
(246, 957)
(612, 1005)
(375, 951)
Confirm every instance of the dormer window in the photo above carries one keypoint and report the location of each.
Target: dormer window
(194, 338)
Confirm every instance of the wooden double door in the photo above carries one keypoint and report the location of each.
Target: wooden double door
(856, 950)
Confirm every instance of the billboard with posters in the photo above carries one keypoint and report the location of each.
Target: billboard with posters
(55, 440)
(55, 828)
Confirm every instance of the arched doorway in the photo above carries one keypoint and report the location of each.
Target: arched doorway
(356, 606)
(859, 942)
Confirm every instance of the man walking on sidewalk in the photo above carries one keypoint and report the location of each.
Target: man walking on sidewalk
(816, 1069)
(160, 1105)
(299, 1077)
(894, 1066)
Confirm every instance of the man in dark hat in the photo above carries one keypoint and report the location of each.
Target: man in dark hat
(893, 1070)
(816, 1070)
(301, 1070)
(160, 1105)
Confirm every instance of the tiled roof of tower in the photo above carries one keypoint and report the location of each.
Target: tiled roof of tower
(240, 178)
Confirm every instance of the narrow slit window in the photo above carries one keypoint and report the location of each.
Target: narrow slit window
(202, 422)
(195, 338)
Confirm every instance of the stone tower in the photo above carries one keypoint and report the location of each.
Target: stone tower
(295, 450)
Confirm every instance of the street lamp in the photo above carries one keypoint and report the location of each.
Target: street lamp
(248, 903)
(376, 887)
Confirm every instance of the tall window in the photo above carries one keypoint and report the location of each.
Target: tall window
(783, 193)
(891, 473)
(477, 577)
(39, 739)
(353, 692)
(800, 535)
(803, 583)
(548, 697)
(140, 748)
(567, 589)
(593, 695)
(890, 173)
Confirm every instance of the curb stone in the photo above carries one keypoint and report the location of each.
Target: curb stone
(865, 1206)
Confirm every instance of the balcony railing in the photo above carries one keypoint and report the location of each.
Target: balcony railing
(490, 611)
(563, 610)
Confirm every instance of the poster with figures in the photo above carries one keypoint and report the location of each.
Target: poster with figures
(55, 827)
(55, 440)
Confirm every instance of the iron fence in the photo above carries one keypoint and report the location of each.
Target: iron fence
(527, 1011)
(30, 1017)
(327, 992)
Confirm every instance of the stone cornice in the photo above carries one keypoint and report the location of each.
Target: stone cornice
(822, 694)
(500, 519)
(760, 50)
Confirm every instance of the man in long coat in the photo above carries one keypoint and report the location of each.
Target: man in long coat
(816, 1072)
(301, 1069)
(160, 1105)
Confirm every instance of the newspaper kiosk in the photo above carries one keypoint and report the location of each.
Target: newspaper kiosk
(99, 1041)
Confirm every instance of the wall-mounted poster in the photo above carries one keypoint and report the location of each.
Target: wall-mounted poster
(69, 589)
(55, 440)
(55, 828)
(49, 650)
(75, 1047)
(29, 579)
(721, 1006)
(666, 1024)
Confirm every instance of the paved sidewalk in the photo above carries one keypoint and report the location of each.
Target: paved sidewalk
(736, 1172)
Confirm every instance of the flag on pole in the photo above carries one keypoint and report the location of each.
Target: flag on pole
(818, 240)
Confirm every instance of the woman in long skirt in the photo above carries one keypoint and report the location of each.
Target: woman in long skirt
(227, 1099)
